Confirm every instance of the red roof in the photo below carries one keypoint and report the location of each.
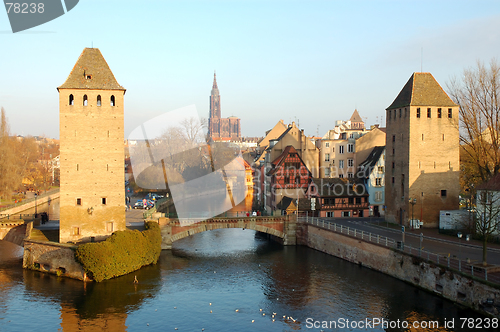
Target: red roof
(492, 184)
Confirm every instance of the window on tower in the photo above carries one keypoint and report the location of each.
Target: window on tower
(450, 113)
(439, 113)
(85, 100)
(418, 112)
(71, 100)
(99, 100)
(112, 100)
(428, 112)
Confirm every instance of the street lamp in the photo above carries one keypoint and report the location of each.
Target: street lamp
(35, 205)
(412, 201)
(459, 234)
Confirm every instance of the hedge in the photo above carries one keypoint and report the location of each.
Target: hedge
(123, 252)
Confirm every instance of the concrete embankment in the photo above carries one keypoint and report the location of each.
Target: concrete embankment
(448, 283)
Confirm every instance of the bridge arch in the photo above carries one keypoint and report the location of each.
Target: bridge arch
(13, 231)
(282, 229)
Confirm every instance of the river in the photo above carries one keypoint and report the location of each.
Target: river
(222, 280)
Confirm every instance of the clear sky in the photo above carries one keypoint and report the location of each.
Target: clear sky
(308, 61)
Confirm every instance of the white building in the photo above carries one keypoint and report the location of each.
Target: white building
(373, 172)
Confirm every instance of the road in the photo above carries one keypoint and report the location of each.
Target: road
(436, 243)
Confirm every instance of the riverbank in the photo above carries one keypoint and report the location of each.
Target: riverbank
(439, 279)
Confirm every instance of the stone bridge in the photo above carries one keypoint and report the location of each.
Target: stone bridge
(13, 231)
(281, 229)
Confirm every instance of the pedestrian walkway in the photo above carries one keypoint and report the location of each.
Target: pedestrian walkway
(435, 234)
(134, 219)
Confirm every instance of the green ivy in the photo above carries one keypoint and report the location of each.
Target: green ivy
(123, 252)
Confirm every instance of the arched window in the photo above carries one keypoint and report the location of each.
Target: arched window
(113, 101)
(85, 100)
(99, 100)
(71, 100)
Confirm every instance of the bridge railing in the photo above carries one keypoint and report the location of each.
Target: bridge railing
(208, 215)
(16, 216)
(447, 260)
(29, 200)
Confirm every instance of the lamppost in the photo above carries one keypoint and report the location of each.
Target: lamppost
(420, 248)
(412, 201)
(35, 205)
(459, 234)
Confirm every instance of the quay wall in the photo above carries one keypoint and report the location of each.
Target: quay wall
(52, 257)
(444, 282)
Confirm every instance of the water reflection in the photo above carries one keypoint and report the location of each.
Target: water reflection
(204, 280)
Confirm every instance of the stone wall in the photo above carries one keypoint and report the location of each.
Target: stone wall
(92, 200)
(437, 279)
(14, 231)
(52, 257)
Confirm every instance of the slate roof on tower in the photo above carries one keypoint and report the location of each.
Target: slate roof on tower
(91, 71)
(355, 117)
(422, 89)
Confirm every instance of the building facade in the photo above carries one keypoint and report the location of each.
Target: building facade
(92, 151)
(288, 177)
(337, 198)
(422, 152)
(221, 128)
(372, 171)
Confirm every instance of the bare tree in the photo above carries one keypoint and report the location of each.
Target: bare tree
(192, 130)
(9, 175)
(487, 221)
(477, 93)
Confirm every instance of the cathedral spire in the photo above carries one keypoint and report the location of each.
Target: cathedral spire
(214, 86)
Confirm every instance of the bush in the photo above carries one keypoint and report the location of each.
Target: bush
(123, 252)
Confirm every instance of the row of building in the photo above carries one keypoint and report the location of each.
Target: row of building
(407, 171)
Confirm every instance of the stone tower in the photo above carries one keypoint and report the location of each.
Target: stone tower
(422, 156)
(92, 151)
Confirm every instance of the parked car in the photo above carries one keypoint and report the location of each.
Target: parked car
(140, 204)
(154, 196)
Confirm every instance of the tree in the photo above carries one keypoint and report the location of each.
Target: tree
(9, 175)
(478, 95)
(487, 221)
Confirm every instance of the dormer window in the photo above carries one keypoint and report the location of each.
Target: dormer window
(89, 77)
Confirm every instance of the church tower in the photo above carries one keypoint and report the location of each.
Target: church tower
(422, 153)
(214, 114)
(92, 151)
(221, 128)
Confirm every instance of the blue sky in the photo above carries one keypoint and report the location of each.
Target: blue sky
(308, 61)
